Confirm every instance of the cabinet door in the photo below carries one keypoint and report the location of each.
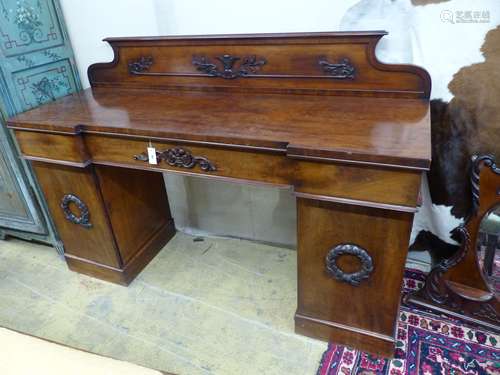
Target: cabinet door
(36, 66)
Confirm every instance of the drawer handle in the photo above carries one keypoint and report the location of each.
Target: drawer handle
(353, 278)
(180, 157)
(84, 218)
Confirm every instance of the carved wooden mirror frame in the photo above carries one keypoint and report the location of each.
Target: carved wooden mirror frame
(456, 286)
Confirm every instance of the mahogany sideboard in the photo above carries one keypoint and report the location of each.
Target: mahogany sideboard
(317, 113)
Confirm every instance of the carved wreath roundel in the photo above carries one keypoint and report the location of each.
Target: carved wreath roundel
(353, 278)
(84, 218)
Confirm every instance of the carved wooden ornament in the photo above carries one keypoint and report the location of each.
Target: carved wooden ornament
(84, 218)
(353, 278)
(180, 157)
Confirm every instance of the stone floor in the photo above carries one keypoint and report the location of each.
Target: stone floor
(216, 306)
(23, 354)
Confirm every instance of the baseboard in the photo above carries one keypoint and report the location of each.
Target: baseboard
(371, 342)
(124, 276)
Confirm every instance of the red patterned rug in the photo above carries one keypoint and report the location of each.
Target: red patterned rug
(427, 344)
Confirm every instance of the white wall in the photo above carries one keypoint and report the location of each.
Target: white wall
(417, 35)
(256, 16)
(90, 21)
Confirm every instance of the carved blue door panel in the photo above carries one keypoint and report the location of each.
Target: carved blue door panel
(36, 66)
(44, 83)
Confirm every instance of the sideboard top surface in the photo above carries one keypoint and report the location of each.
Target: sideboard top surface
(315, 95)
(365, 129)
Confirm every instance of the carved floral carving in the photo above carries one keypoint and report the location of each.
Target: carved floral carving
(249, 65)
(340, 70)
(180, 157)
(142, 64)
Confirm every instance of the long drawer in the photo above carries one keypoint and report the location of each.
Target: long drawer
(315, 179)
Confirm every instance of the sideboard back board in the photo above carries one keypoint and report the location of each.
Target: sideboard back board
(299, 63)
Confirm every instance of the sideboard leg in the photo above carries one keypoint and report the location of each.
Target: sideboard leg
(350, 269)
(112, 221)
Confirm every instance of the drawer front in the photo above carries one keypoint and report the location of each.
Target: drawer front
(387, 186)
(65, 148)
(230, 163)
(356, 182)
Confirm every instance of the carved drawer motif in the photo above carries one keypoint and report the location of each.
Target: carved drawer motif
(180, 157)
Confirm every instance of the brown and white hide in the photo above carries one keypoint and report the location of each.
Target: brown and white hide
(465, 110)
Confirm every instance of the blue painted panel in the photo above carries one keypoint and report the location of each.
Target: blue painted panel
(36, 67)
(11, 202)
(28, 25)
(44, 83)
(18, 210)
